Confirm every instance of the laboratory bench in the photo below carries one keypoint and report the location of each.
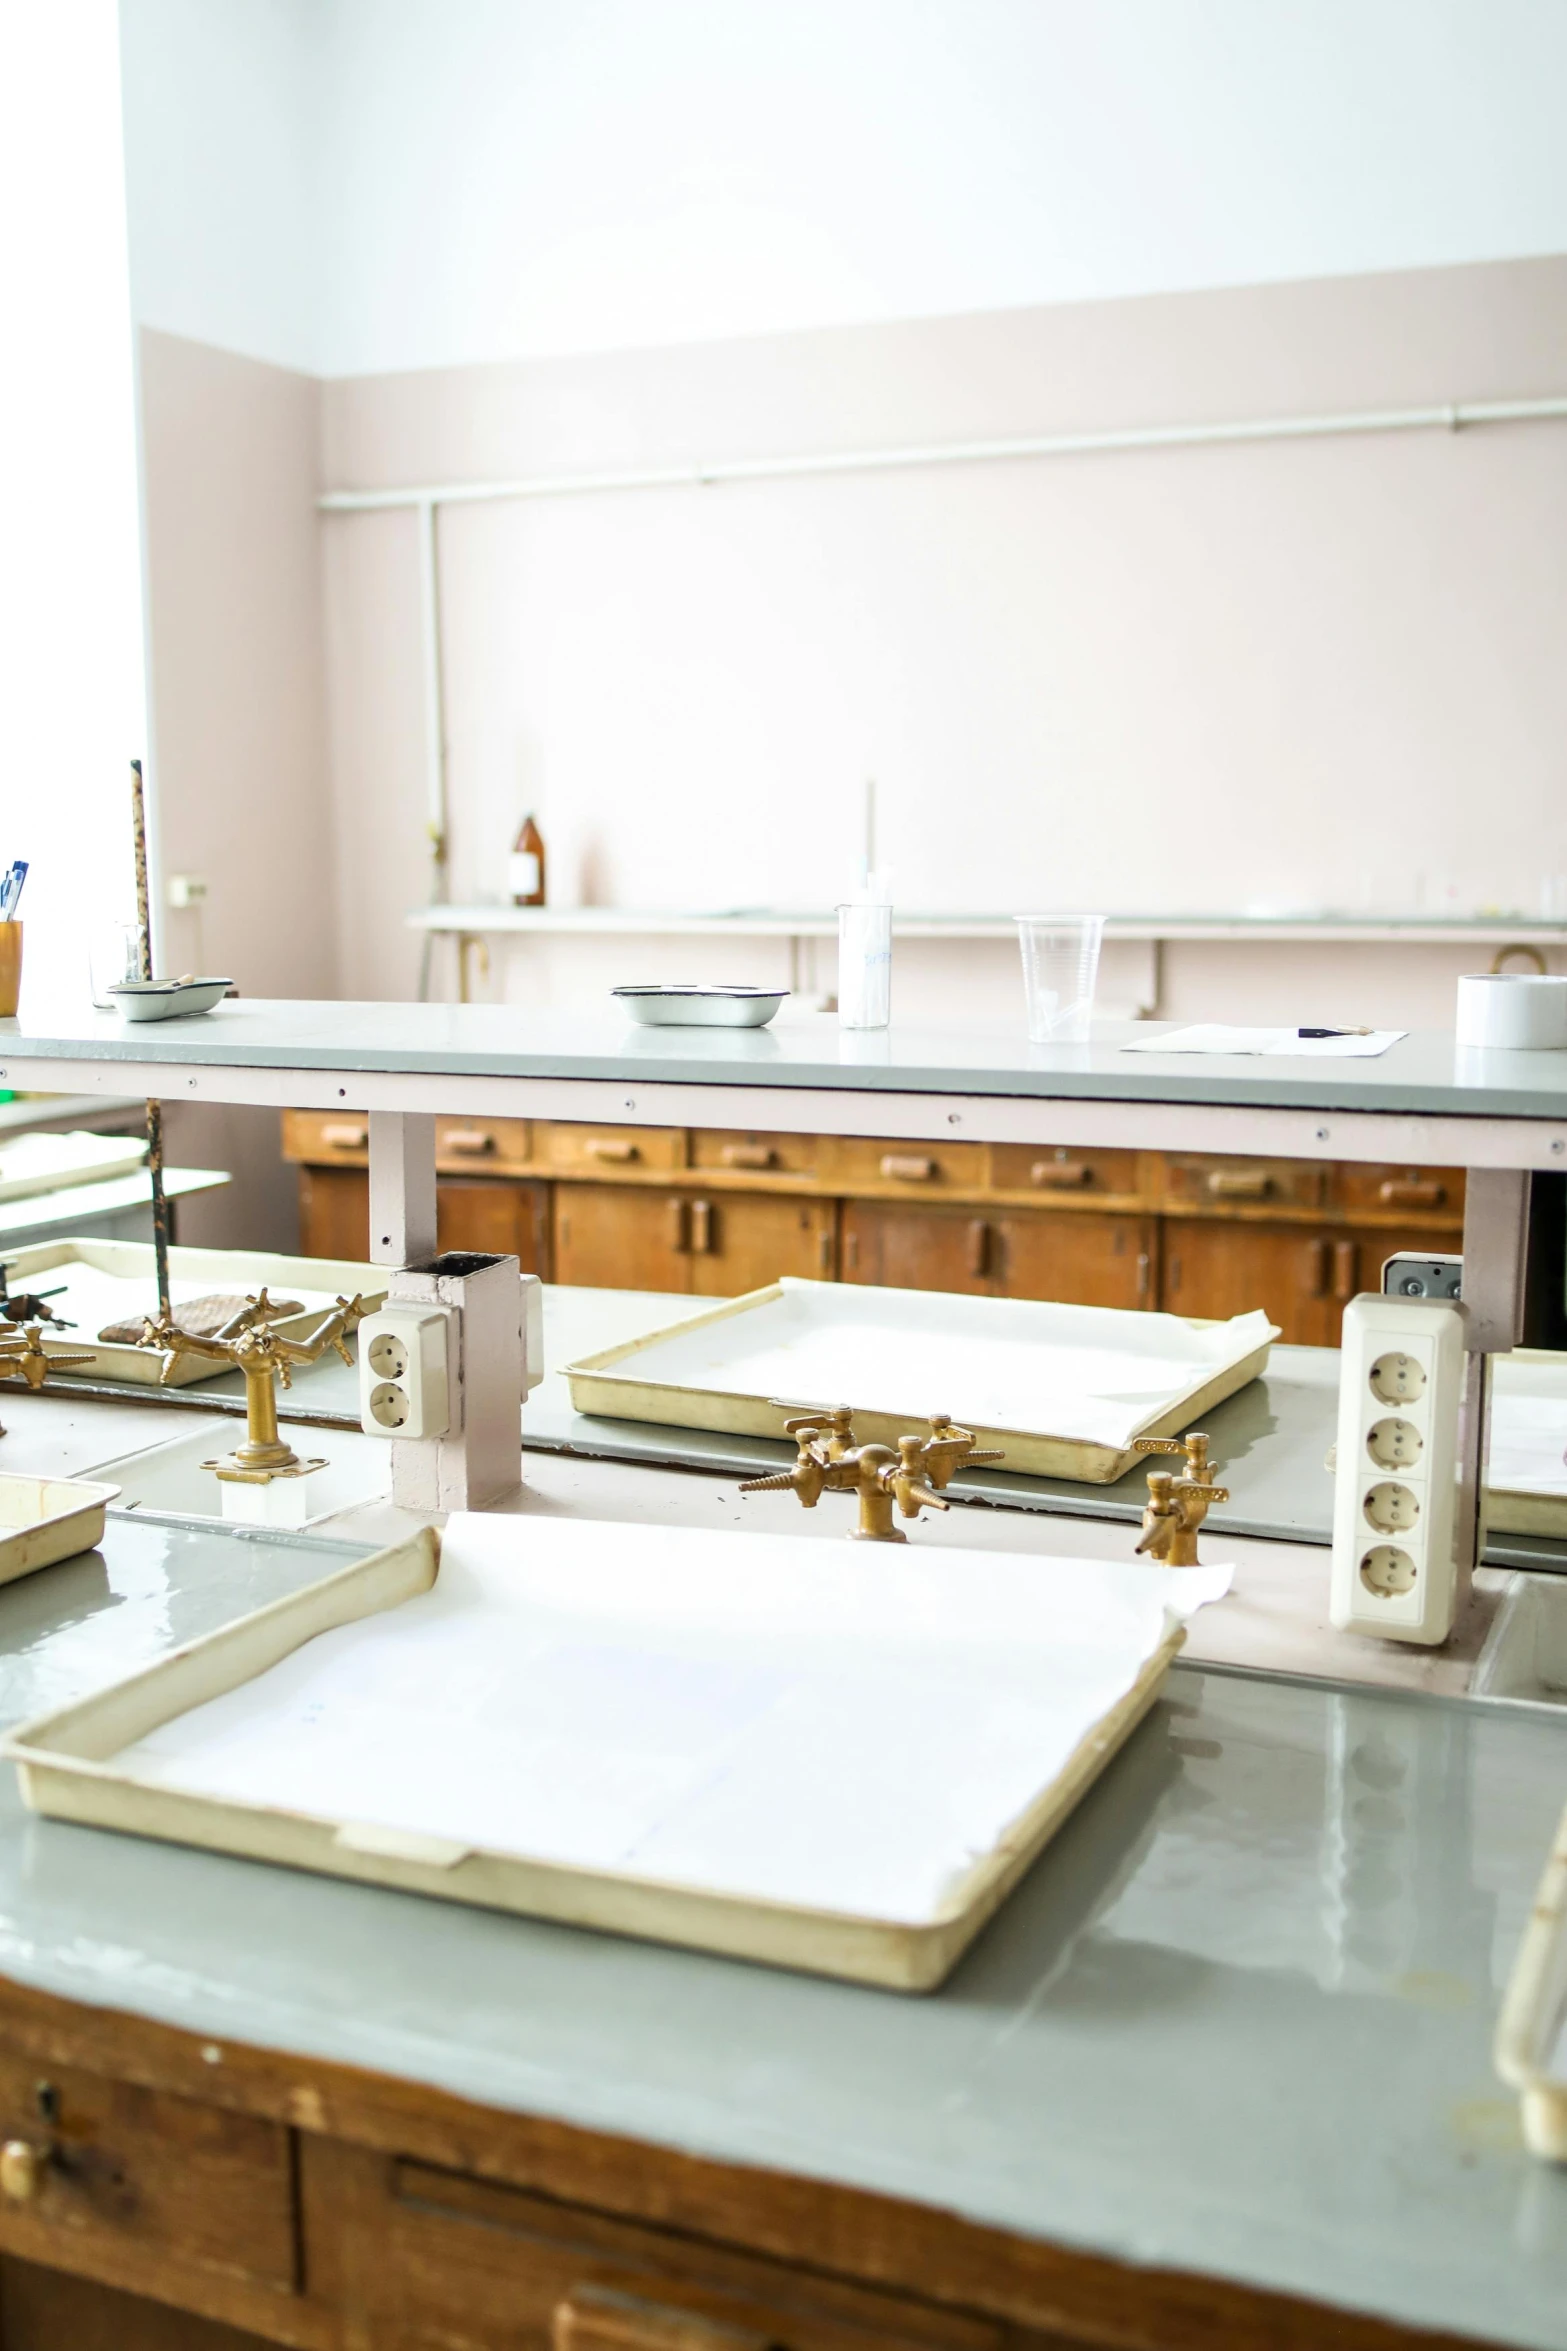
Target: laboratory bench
(1219, 2072)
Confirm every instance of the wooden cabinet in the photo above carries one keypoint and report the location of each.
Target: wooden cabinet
(434, 2258)
(713, 1212)
(1303, 1278)
(491, 1213)
(334, 1212)
(1083, 1260)
(616, 1237)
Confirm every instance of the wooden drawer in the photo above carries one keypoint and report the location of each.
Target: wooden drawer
(1400, 1192)
(462, 1144)
(432, 2257)
(327, 1138)
(606, 1151)
(734, 1152)
(132, 2182)
(854, 1163)
(1056, 1172)
(1219, 1186)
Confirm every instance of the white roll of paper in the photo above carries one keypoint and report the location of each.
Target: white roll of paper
(1512, 1008)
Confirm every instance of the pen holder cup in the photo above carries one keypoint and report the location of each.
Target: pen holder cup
(10, 967)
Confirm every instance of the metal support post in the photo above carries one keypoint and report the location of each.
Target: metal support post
(1496, 1247)
(402, 1187)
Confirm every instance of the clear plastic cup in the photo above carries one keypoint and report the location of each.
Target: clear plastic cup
(1060, 969)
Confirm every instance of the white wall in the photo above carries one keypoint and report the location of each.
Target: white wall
(355, 186)
(70, 603)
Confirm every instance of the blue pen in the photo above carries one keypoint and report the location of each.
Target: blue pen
(11, 890)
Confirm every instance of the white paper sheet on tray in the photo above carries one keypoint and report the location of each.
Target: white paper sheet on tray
(830, 1726)
(1529, 1424)
(1088, 1373)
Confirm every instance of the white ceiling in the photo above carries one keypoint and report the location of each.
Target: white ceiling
(351, 186)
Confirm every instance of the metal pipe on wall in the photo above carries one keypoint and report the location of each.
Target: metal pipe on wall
(427, 500)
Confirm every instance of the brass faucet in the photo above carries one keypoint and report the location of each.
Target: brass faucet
(23, 1356)
(907, 1480)
(266, 1358)
(1178, 1506)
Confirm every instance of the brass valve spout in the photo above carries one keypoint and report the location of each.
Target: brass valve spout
(829, 1461)
(1178, 1506)
(23, 1356)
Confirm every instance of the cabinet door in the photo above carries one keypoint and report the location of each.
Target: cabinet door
(619, 1237)
(1219, 1269)
(742, 1241)
(917, 1248)
(496, 1216)
(1081, 1260)
(334, 1213)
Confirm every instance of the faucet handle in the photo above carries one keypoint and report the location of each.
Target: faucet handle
(1195, 1447)
(835, 1424)
(949, 1448)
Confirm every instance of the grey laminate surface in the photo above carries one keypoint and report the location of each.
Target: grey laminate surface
(1425, 1072)
(1237, 2020)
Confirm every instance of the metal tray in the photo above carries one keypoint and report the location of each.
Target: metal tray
(46, 1519)
(69, 1770)
(131, 1267)
(1531, 2032)
(654, 1378)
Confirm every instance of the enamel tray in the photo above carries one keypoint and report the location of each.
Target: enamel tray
(1531, 2032)
(1019, 1372)
(105, 1281)
(79, 1765)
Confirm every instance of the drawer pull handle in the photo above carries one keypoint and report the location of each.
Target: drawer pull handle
(979, 1248)
(1346, 1269)
(1412, 1192)
(595, 2318)
(21, 2171)
(1233, 1183)
(1316, 1269)
(345, 1138)
(677, 1227)
(905, 1170)
(701, 1228)
(1059, 1173)
(469, 1140)
(619, 1153)
(748, 1155)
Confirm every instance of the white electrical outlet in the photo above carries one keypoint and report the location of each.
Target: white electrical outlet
(403, 1385)
(1401, 1381)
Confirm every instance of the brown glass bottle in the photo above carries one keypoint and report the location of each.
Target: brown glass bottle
(525, 867)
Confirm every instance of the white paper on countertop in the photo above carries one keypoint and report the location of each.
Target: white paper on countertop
(1095, 1374)
(832, 1726)
(1212, 1036)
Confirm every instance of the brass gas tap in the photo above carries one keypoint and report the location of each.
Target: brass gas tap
(1178, 1506)
(909, 1480)
(266, 1358)
(23, 1357)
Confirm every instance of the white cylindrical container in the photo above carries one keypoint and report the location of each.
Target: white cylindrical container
(865, 964)
(1513, 1009)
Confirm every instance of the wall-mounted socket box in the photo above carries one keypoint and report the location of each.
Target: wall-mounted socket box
(404, 1386)
(1401, 1383)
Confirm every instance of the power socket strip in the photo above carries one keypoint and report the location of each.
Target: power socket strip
(1401, 1382)
(404, 1388)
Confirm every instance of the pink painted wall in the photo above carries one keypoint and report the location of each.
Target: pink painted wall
(1284, 675)
(238, 720)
